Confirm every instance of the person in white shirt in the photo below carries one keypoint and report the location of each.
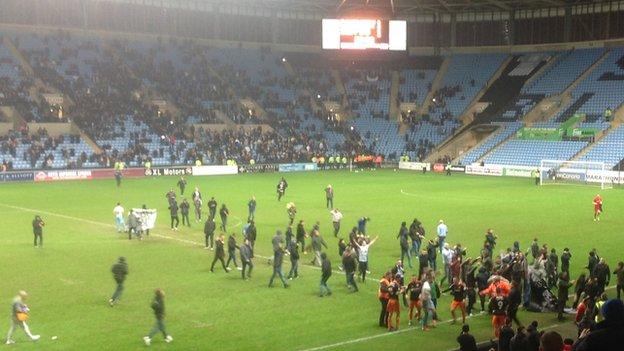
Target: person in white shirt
(363, 257)
(336, 217)
(447, 258)
(427, 302)
(442, 231)
(118, 211)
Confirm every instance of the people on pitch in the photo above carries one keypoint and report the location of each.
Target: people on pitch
(171, 196)
(291, 210)
(185, 208)
(349, 265)
(246, 256)
(326, 272)
(278, 260)
(219, 254)
(393, 308)
(251, 208)
(329, 196)
(19, 316)
(197, 203)
(414, 288)
(118, 211)
(196, 194)
(336, 217)
(134, 225)
(224, 213)
(232, 247)
(403, 237)
(293, 250)
(173, 211)
(182, 185)
(458, 291)
(120, 271)
(281, 188)
(209, 228)
(363, 246)
(158, 306)
(442, 231)
(597, 207)
(212, 207)
(317, 246)
(37, 226)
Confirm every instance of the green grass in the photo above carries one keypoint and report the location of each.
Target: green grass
(69, 280)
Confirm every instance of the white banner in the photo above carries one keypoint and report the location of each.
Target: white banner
(214, 170)
(146, 216)
(414, 166)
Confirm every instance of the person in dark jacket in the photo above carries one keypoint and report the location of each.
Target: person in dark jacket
(533, 338)
(619, 274)
(212, 207)
(301, 235)
(482, 284)
(432, 252)
(37, 225)
(182, 185)
(349, 264)
(120, 271)
(246, 254)
(278, 260)
(173, 211)
(505, 335)
(403, 237)
(326, 272)
(607, 335)
(465, 340)
(579, 288)
(519, 342)
(252, 233)
(293, 249)
(317, 245)
(423, 263)
(563, 285)
(565, 260)
(185, 208)
(219, 254)
(224, 213)
(158, 306)
(209, 229)
(515, 299)
(232, 247)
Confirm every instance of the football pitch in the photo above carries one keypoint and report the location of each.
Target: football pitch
(69, 280)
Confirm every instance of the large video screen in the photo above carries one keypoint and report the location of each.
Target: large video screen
(362, 34)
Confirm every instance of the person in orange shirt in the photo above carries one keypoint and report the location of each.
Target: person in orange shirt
(383, 295)
(597, 207)
(414, 288)
(394, 307)
(498, 283)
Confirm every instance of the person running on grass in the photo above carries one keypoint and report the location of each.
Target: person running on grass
(232, 247)
(458, 290)
(120, 271)
(363, 248)
(219, 254)
(326, 272)
(19, 316)
(158, 306)
(278, 259)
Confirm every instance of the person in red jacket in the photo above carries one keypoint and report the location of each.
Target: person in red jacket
(597, 207)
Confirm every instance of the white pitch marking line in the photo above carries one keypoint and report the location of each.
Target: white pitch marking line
(376, 336)
(186, 241)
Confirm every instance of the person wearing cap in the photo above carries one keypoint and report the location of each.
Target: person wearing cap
(38, 225)
(120, 271)
(19, 315)
(442, 231)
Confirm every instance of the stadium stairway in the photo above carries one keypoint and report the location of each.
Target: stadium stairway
(38, 84)
(435, 84)
(466, 117)
(494, 147)
(546, 109)
(340, 88)
(393, 109)
(586, 73)
(12, 115)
